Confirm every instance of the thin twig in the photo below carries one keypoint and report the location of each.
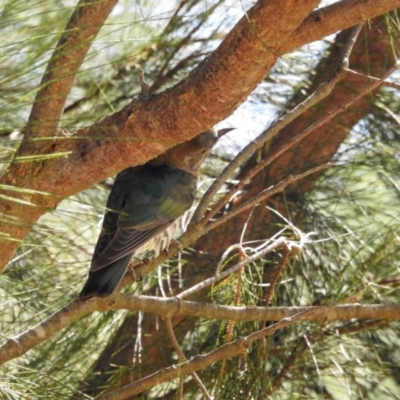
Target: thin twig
(348, 47)
(275, 274)
(263, 195)
(222, 275)
(372, 79)
(182, 358)
(144, 86)
(231, 323)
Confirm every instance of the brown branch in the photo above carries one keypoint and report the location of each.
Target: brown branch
(168, 307)
(171, 307)
(372, 79)
(166, 374)
(86, 21)
(323, 21)
(350, 43)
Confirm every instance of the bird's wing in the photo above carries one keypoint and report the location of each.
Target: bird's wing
(123, 243)
(141, 214)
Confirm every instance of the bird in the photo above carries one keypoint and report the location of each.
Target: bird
(143, 211)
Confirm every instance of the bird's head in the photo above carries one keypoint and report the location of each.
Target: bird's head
(191, 154)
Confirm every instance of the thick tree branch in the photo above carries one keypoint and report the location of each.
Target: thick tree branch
(326, 20)
(86, 21)
(168, 307)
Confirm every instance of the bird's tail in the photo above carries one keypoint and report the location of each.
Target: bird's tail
(104, 282)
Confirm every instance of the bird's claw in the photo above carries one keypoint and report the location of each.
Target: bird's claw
(131, 269)
(144, 86)
(175, 243)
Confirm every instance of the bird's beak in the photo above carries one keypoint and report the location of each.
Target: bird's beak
(222, 132)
